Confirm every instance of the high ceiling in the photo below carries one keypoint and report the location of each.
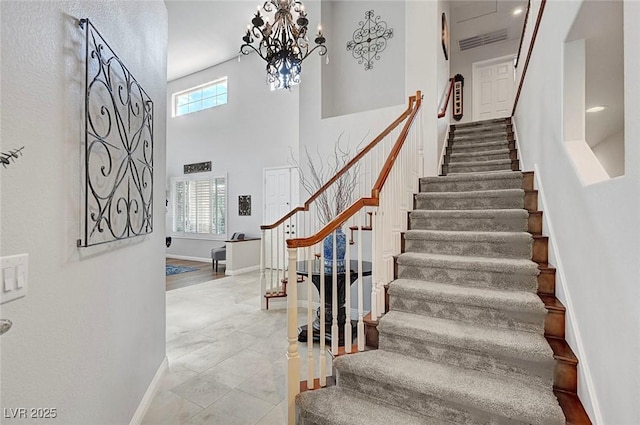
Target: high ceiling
(471, 18)
(207, 32)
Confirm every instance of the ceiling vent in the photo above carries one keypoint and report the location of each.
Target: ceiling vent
(482, 39)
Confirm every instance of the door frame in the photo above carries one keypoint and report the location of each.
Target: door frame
(475, 66)
(294, 189)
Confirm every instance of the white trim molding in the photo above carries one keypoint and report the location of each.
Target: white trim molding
(586, 387)
(186, 257)
(150, 393)
(242, 271)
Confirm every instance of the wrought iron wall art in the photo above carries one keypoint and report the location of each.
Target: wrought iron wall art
(6, 158)
(118, 151)
(244, 205)
(369, 40)
(199, 167)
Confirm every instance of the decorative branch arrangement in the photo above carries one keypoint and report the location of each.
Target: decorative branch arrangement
(369, 40)
(338, 196)
(6, 158)
(118, 156)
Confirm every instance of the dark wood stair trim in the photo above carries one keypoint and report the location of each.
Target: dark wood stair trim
(331, 381)
(535, 222)
(572, 408)
(372, 336)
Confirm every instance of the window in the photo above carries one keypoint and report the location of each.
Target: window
(201, 97)
(200, 206)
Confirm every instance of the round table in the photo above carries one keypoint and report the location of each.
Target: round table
(302, 270)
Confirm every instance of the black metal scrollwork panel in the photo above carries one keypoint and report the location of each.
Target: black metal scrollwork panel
(118, 154)
(369, 40)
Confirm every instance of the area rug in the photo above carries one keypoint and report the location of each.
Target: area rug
(171, 270)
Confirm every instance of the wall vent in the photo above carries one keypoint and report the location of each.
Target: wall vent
(482, 39)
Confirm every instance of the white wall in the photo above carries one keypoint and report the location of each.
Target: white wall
(462, 63)
(347, 87)
(610, 153)
(257, 128)
(596, 227)
(444, 73)
(90, 334)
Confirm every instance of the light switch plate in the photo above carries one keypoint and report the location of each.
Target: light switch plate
(14, 277)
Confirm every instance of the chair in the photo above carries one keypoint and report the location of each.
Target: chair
(220, 254)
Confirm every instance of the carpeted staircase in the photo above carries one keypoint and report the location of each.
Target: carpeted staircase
(463, 340)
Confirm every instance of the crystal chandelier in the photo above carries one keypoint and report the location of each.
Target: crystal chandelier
(283, 44)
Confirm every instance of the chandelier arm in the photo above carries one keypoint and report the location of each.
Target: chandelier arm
(242, 50)
(322, 52)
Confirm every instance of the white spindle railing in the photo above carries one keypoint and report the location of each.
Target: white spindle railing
(386, 172)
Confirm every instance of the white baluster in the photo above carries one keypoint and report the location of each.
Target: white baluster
(361, 337)
(278, 279)
(310, 311)
(263, 281)
(322, 356)
(347, 294)
(334, 298)
(293, 358)
(374, 265)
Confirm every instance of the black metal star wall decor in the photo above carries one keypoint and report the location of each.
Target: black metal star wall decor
(369, 40)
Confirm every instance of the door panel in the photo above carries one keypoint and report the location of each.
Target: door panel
(493, 88)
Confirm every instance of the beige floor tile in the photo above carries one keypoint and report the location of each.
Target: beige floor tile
(202, 390)
(242, 406)
(186, 344)
(276, 416)
(168, 408)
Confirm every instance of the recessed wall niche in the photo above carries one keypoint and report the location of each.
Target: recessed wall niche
(594, 91)
(347, 87)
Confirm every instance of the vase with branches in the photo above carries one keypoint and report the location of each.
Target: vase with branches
(336, 198)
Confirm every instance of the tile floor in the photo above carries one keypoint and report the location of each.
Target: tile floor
(226, 357)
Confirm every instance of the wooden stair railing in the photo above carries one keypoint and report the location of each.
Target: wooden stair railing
(273, 265)
(396, 164)
(443, 111)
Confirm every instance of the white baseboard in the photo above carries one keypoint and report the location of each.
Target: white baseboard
(149, 394)
(590, 402)
(185, 257)
(242, 271)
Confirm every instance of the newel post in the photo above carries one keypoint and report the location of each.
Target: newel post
(263, 280)
(293, 357)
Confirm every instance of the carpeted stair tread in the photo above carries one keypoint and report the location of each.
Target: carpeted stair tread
(476, 124)
(514, 220)
(497, 193)
(447, 235)
(480, 129)
(470, 200)
(493, 144)
(502, 400)
(495, 175)
(501, 151)
(520, 301)
(471, 182)
(477, 163)
(475, 243)
(468, 336)
(335, 406)
(517, 310)
(465, 262)
(476, 137)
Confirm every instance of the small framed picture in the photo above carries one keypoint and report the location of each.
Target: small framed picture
(244, 205)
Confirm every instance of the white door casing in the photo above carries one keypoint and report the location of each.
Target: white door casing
(493, 88)
(280, 197)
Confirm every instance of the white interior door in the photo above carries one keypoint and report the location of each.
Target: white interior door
(493, 88)
(279, 198)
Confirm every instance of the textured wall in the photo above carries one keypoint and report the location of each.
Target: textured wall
(89, 337)
(594, 229)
